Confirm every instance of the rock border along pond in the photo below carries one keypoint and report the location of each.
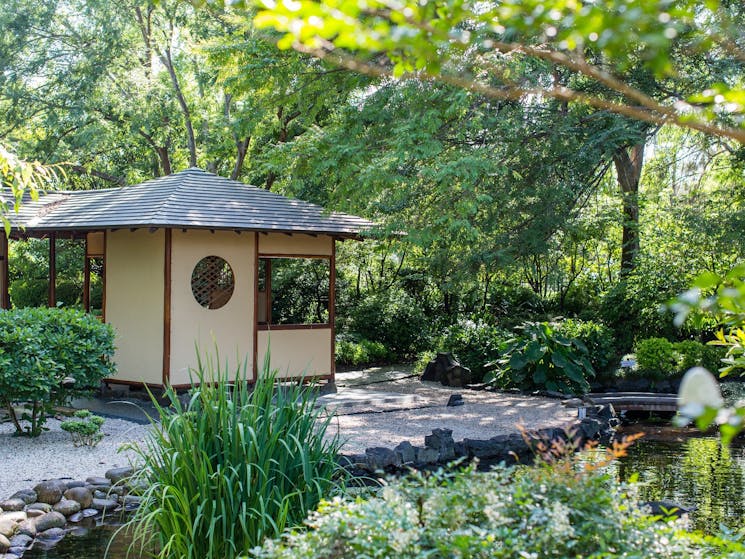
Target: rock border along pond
(45, 514)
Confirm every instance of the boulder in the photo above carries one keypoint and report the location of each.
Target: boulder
(28, 527)
(104, 505)
(406, 452)
(8, 526)
(379, 458)
(442, 441)
(4, 544)
(445, 369)
(43, 507)
(49, 538)
(35, 513)
(118, 474)
(98, 481)
(82, 495)
(67, 507)
(49, 520)
(49, 492)
(12, 505)
(87, 513)
(455, 400)
(21, 540)
(427, 455)
(28, 496)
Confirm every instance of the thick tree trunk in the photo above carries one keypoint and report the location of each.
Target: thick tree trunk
(628, 163)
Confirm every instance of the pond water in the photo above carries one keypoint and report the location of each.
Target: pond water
(696, 471)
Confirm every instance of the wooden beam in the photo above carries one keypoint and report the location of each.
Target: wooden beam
(52, 270)
(167, 309)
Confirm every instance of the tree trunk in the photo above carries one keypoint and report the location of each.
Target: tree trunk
(165, 58)
(628, 164)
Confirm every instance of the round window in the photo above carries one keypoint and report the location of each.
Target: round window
(212, 282)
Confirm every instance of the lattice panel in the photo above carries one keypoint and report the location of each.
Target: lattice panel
(212, 282)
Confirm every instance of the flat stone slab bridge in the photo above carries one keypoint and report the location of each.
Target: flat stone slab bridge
(625, 401)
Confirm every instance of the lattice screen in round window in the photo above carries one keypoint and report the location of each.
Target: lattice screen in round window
(212, 282)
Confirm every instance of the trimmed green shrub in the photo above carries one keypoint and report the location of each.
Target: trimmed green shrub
(363, 352)
(41, 347)
(85, 428)
(598, 340)
(476, 345)
(690, 353)
(541, 358)
(655, 358)
(232, 465)
(559, 511)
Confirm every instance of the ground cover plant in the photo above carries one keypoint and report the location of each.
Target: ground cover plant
(232, 465)
(564, 509)
(40, 348)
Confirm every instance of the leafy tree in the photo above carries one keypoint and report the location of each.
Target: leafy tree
(471, 45)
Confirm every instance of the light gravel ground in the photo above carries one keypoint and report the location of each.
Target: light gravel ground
(25, 462)
(484, 414)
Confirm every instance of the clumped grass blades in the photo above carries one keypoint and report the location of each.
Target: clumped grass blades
(232, 466)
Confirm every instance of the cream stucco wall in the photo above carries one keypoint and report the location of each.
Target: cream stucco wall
(279, 243)
(134, 302)
(231, 326)
(295, 353)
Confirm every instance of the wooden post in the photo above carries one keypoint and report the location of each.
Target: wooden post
(255, 331)
(332, 308)
(52, 270)
(167, 309)
(4, 294)
(86, 279)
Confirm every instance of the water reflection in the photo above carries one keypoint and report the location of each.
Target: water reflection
(88, 544)
(697, 472)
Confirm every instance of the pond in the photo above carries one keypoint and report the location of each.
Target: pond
(695, 471)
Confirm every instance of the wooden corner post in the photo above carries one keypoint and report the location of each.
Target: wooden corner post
(167, 308)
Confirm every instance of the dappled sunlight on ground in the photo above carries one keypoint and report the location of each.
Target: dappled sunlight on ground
(484, 415)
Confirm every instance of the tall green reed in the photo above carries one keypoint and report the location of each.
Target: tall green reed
(233, 465)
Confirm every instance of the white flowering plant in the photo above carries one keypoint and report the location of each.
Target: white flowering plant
(563, 509)
(699, 399)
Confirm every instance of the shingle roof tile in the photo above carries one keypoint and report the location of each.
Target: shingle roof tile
(190, 199)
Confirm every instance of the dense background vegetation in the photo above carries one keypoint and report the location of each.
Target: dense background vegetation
(516, 209)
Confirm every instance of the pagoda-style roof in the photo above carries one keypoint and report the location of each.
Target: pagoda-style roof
(190, 199)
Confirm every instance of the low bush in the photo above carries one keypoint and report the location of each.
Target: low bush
(655, 358)
(690, 353)
(232, 466)
(597, 338)
(42, 347)
(659, 358)
(559, 511)
(393, 319)
(363, 352)
(85, 428)
(539, 357)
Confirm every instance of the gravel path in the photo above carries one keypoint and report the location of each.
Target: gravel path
(484, 414)
(24, 461)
